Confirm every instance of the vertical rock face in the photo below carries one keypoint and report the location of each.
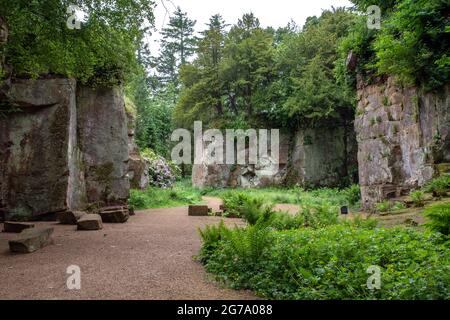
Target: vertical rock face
(61, 147)
(103, 140)
(402, 134)
(322, 157)
(35, 147)
(264, 173)
(310, 157)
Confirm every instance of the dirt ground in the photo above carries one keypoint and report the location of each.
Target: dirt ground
(149, 257)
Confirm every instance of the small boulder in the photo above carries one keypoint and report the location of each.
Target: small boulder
(198, 210)
(70, 217)
(90, 222)
(31, 239)
(115, 215)
(16, 227)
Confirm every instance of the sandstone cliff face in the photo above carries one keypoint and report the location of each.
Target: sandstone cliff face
(311, 158)
(63, 147)
(323, 157)
(103, 140)
(402, 135)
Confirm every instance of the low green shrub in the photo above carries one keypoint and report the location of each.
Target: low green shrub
(439, 186)
(439, 218)
(352, 194)
(332, 262)
(418, 198)
(384, 206)
(211, 236)
(248, 207)
(319, 216)
(398, 206)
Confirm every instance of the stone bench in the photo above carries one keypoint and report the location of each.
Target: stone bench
(31, 240)
(119, 214)
(16, 227)
(90, 222)
(198, 210)
(69, 217)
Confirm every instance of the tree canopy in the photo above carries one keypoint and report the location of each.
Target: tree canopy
(252, 76)
(102, 51)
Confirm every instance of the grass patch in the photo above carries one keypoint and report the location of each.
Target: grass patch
(318, 197)
(182, 193)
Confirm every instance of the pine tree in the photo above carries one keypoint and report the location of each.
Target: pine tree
(177, 45)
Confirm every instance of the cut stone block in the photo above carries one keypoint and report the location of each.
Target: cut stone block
(198, 210)
(115, 215)
(16, 227)
(90, 222)
(70, 217)
(31, 240)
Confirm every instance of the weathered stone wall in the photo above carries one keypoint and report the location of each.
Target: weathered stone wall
(402, 135)
(311, 157)
(103, 141)
(35, 147)
(322, 157)
(63, 147)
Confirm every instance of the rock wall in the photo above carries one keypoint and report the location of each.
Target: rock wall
(103, 140)
(137, 166)
(310, 158)
(403, 135)
(323, 157)
(62, 146)
(36, 147)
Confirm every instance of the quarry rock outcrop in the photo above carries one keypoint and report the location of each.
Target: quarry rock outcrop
(403, 137)
(309, 157)
(63, 147)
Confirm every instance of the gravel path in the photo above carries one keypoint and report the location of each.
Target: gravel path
(149, 257)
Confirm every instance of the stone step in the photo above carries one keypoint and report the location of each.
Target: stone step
(70, 217)
(198, 210)
(31, 240)
(16, 227)
(90, 222)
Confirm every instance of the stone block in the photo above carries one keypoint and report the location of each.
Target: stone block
(90, 222)
(31, 240)
(69, 217)
(198, 210)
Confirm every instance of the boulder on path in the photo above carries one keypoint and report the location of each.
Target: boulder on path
(70, 217)
(90, 222)
(31, 240)
(198, 210)
(119, 214)
(16, 227)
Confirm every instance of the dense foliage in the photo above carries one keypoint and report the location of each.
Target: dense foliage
(439, 218)
(101, 52)
(327, 261)
(252, 76)
(413, 43)
(162, 173)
